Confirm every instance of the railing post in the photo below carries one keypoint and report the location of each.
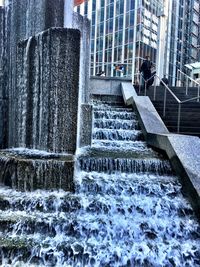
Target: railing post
(154, 90)
(180, 79)
(198, 92)
(179, 117)
(145, 87)
(164, 106)
(140, 81)
(186, 91)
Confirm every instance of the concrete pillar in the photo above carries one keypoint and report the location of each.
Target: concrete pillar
(76, 21)
(86, 122)
(47, 91)
(163, 16)
(134, 42)
(68, 13)
(24, 19)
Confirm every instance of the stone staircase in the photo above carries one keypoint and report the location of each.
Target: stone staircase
(127, 208)
(190, 111)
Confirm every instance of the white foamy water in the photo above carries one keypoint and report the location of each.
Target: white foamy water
(124, 212)
(111, 220)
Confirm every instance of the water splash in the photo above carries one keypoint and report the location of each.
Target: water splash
(124, 212)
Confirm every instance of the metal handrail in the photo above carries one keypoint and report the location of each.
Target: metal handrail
(145, 82)
(166, 88)
(188, 100)
(191, 79)
(188, 77)
(177, 99)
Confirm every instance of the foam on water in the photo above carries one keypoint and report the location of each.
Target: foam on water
(116, 124)
(110, 134)
(129, 220)
(119, 144)
(124, 212)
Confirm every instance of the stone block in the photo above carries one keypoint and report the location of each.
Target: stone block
(128, 92)
(28, 173)
(46, 100)
(23, 20)
(106, 85)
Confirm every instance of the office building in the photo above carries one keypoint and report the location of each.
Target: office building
(123, 32)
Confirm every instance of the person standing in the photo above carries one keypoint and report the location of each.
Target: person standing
(145, 68)
(165, 80)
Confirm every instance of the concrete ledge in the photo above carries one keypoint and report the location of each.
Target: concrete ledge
(183, 151)
(149, 118)
(85, 125)
(106, 85)
(28, 171)
(128, 92)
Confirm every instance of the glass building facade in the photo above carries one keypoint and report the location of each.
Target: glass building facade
(123, 32)
(182, 46)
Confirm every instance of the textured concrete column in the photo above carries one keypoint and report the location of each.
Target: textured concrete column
(161, 51)
(85, 125)
(68, 13)
(47, 91)
(3, 78)
(24, 19)
(82, 24)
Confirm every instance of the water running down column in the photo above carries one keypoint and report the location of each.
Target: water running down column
(127, 210)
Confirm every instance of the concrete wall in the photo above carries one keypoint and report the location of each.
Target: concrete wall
(106, 85)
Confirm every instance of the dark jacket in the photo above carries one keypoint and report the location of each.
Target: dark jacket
(146, 69)
(165, 80)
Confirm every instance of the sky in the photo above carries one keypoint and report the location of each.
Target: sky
(1, 2)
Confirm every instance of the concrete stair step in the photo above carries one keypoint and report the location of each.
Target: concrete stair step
(160, 95)
(185, 131)
(175, 108)
(116, 124)
(183, 123)
(195, 105)
(121, 153)
(179, 92)
(125, 165)
(108, 99)
(184, 115)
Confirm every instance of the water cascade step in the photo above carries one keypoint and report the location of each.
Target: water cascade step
(127, 209)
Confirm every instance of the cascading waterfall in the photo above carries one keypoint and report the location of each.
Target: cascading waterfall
(127, 209)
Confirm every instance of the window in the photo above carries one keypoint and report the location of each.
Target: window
(121, 22)
(131, 18)
(132, 4)
(102, 15)
(86, 8)
(127, 20)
